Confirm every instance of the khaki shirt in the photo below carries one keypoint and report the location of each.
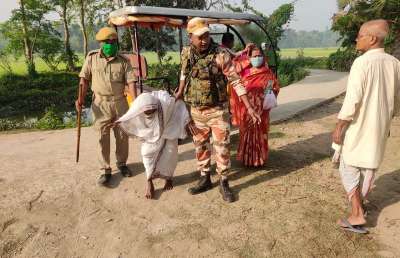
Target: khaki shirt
(108, 77)
(372, 99)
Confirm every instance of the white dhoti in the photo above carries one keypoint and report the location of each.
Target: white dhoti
(353, 177)
(160, 159)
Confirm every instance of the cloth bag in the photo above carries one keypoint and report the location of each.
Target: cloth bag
(270, 101)
(336, 156)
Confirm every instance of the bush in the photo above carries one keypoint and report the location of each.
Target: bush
(311, 62)
(51, 120)
(342, 60)
(166, 74)
(9, 124)
(294, 69)
(24, 95)
(69, 118)
(290, 71)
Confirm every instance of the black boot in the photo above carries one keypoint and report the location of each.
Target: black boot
(203, 185)
(226, 192)
(105, 179)
(125, 171)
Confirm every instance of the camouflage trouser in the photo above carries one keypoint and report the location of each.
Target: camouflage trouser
(215, 121)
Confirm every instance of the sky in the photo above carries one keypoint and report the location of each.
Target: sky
(309, 14)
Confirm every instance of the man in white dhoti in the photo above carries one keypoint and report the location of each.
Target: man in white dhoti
(158, 120)
(372, 100)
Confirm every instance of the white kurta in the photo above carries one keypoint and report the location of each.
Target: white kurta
(372, 99)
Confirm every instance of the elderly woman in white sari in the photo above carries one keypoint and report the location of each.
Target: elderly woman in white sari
(158, 120)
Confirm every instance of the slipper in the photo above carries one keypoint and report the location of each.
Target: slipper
(353, 228)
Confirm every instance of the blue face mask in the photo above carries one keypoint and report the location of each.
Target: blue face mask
(257, 61)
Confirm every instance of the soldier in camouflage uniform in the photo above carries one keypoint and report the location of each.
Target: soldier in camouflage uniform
(206, 70)
(108, 73)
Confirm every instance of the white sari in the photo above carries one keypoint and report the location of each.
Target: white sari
(159, 133)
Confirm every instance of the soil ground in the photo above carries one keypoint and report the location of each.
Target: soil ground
(52, 207)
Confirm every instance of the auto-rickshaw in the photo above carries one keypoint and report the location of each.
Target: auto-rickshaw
(156, 17)
(134, 17)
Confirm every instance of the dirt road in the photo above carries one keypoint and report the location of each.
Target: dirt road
(52, 207)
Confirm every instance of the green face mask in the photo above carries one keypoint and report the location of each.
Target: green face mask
(110, 49)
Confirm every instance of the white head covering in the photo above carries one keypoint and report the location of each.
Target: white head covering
(159, 132)
(135, 122)
(169, 120)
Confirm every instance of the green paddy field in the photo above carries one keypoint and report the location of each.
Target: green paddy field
(18, 66)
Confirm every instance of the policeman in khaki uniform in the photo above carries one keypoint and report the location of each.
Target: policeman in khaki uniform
(108, 73)
(206, 70)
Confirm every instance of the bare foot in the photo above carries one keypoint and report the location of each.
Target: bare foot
(168, 185)
(150, 189)
(357, 220)
(354, 221)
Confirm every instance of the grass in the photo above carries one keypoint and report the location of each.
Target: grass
(19, 67)
(308, 52)
(151, 57)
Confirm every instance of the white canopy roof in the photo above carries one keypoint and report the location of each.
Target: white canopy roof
(174, 15)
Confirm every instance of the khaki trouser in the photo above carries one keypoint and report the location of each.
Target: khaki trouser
(212, 121)
(105, 111)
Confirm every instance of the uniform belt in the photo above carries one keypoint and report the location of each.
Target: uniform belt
(109, 98)
(219, 105)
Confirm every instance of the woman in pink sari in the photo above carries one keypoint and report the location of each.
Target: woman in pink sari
(257, 78)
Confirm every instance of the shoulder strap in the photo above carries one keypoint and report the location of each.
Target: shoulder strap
(93, 52)
(192, 60)
(191, 63)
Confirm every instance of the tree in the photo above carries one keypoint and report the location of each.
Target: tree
(23, 30)
(160, 40)
(215, 4)
(27, 39)
(50, 49)
(3, 41)
(306, 39)
(390, 10)
(5, 63)
(187, 4)
(273, 24)
(90, 14)
(157, 40)
(348, 23)
(82, 24)
(63, 8)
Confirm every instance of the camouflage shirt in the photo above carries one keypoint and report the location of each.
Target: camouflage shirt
(221, 66)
